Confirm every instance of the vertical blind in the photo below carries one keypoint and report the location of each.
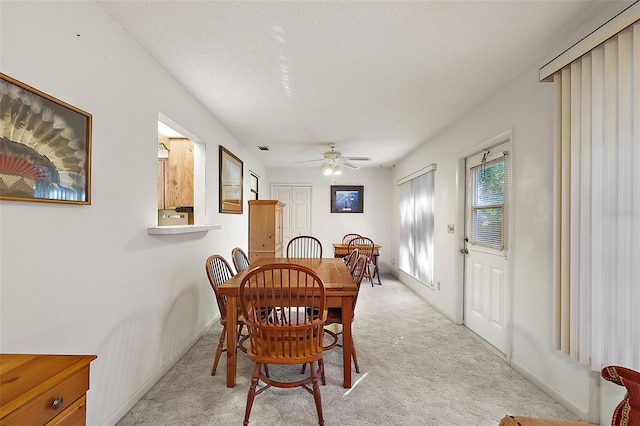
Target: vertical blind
(417, 225)
(597, 259)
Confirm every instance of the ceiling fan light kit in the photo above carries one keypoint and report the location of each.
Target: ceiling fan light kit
(332, 160)
(332, 170)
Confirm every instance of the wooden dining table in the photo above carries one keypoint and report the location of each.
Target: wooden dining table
(340, 290)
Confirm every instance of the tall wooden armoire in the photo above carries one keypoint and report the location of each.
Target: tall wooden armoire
(265, 229)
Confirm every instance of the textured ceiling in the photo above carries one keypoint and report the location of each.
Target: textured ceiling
(376, 78)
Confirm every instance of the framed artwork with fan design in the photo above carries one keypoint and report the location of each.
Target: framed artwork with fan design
(45, 147)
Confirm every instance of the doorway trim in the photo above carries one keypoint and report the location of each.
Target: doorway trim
(504, 137)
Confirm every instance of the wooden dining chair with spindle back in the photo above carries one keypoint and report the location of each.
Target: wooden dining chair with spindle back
(348, 237)
(284, 306)
(219, 271)
(240, 259)
(366, 247)
(351, 259)
(304, 246)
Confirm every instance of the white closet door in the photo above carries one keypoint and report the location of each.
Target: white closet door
(297, 209)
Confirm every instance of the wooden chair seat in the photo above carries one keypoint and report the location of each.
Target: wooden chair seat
(534, 421)
(291, 343)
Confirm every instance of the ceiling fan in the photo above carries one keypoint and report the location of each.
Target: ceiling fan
(333, 160)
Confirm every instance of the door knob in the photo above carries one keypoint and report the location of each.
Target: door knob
(464, 251)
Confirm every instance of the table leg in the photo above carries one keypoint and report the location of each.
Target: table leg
(347, 315)
(232, 356)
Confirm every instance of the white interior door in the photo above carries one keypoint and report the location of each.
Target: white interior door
(297, 209)
(486, 283)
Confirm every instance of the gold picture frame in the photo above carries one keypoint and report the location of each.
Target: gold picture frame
(45, 146)
(231, 179)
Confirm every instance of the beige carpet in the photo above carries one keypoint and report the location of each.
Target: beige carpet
(417, 368)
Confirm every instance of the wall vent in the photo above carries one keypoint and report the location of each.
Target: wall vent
(263, 148)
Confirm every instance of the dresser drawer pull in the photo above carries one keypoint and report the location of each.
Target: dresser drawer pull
(57, 403)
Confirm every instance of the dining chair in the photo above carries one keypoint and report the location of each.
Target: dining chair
(304, 246)
(348, 237)
(219, 271)
(626, 412)
(351, 259)
(284, 308)
(334, 315)
(240, 259)
(365, 246)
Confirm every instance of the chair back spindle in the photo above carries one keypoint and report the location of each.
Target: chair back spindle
(351, 259)
(304, 246)
(219, 271)
(348, 237)
(240, 259)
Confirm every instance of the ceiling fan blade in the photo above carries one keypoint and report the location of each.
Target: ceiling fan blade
(350, 165)
(308, 161)
(357, 158)
(322, 167)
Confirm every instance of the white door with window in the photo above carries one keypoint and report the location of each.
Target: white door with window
(297, 209)
(486, 279)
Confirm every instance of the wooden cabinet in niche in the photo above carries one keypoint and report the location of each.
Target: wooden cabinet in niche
(175, 174)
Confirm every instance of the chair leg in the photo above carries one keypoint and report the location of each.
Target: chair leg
(368, 272)
(316, 393)
(321, 368)
(252, 393)
(223, 336)
(354, 355)
(241, 339)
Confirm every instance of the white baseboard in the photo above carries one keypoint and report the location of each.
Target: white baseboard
(569, 405)
(137, 396)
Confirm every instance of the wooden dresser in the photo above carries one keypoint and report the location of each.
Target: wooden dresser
(265, 228)
(43, 389)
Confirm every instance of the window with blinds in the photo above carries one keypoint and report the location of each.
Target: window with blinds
(417, 225)
(487, 204)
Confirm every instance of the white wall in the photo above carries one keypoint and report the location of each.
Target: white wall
(330, 227)
(89, 279)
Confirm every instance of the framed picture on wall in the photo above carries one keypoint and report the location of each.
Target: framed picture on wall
(254, 180)
(45, 147)
(347, 199)
(230, 179)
